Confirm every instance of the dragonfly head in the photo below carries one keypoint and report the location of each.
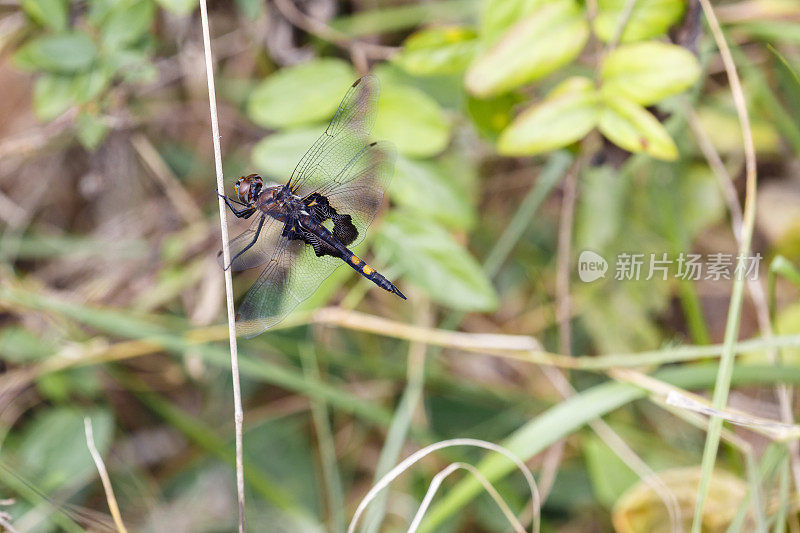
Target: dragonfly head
(248, 188)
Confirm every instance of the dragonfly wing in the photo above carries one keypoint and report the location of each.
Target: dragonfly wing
(261, 251)
(343, 139)
(292, 274)
(359, 188)
(343, 165)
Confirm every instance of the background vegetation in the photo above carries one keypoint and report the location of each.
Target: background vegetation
(528, 131)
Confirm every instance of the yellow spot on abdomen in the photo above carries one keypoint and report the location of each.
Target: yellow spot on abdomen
(367, 270)
(355, 260)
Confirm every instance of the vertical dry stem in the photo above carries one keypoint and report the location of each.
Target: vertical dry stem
(101, 469)
(226, 254)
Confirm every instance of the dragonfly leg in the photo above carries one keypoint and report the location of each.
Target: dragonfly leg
(243, 250)
(231, 199)
(245, 212)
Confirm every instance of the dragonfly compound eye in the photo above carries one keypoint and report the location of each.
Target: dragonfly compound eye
(243, 190)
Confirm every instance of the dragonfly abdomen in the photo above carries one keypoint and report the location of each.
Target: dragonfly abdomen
(356, 263)
(360, 266)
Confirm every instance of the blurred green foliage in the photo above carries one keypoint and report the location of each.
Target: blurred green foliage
(480, 98)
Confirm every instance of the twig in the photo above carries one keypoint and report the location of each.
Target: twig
(418, 455)
(622, 23)
(563, 257)
(487, 486)
(101, 469)
(554, 454)
(183, 202)
(722, 385)
(320, 29)
(226, 255)
(5, 522)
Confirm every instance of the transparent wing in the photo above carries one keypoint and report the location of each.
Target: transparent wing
(343, 165)
(343, 139)
(261, 251)
(292, 274)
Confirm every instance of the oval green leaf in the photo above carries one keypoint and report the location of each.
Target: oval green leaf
(430, 258)
(276, 155)
(499, 15)
(632, 127)
(63, 53)
(51, 13)
(438, 51)
(412, 120)
(126, 24)
(303, 94)
(534, 47)
(648, 18)
(91, 130)
(428, 187)
(178, 7)
(52, 95)
(648, 72)
(565, 116)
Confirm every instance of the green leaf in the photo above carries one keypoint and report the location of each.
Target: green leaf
(251, 9)
(430, 258)
(127, 23)
(648, 18)
(18, 345)
(648, 72)
(131, 64)
(276, 155)
(632, 127)
(100, 9)
(727, 134)
(702, 204)
(179, 7)
(609, 475)
(499, 15)
(565, 116)
(601, 209)
(53, 449)
(427, 186)
(492, 115)
(91, 130)
(438, 51)
(534, 47)
(52, 95)
(51, 13)
(63, 53)
(87, 86)
(412, 120)
(303, 94)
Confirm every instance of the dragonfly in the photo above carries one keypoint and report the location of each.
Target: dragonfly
(303, 230)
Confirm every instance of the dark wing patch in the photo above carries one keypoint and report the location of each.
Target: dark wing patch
(320, 208)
